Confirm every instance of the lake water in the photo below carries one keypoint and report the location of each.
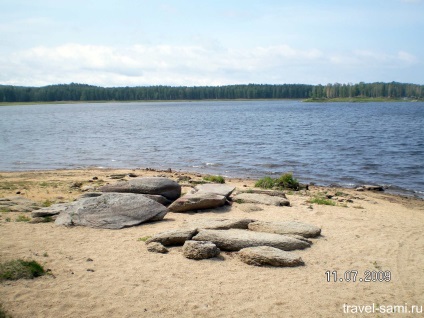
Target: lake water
(326, 143)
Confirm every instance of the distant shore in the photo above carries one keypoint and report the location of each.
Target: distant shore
(308, 100)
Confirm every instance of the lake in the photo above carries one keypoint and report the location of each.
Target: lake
(326, 143)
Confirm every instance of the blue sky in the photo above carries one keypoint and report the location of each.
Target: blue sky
(187, 42)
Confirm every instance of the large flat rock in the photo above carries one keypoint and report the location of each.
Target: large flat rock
(217, 224)
(269, 256)
(215, 188)
(173, 237)
(259, 198)
(54, 209)
(197, 201)
(235, 240)
(291, 227)
(148, 185)
(112, 211)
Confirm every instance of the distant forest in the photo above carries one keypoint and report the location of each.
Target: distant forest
(84, 92)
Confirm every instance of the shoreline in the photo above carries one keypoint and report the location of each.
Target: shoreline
(388, 189)
(117, 277)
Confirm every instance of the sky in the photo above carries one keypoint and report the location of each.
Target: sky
(204, 42)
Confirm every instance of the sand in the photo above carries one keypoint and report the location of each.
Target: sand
(375, 232)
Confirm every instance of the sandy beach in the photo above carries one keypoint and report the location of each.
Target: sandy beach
(110, 273)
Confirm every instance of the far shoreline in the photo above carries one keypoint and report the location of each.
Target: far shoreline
(307, 100)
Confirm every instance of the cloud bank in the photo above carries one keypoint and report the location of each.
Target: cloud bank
(176, 65)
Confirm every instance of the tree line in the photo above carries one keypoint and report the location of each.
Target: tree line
(84, 92)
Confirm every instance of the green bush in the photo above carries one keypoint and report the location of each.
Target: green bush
(216, 179)
(265, 183)
(286, 181)
(17, 269)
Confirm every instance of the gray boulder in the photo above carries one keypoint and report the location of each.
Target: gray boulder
(215, 188)
(217, 224)
(261, 199)
(148, 185)
(111, 211)
(200, 250)
(292, 227)
(197, 201)
(156, 247)
(235, 240)
(51, 210)
(173, 237)
(265, 255)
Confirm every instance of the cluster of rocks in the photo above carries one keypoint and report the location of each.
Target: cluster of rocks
(139, 200)
(256, 242)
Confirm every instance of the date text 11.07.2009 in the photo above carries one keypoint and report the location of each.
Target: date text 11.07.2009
(353, 276)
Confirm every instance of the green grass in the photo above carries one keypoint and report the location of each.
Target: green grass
(3, 313)
(143, 239)
(265, 183)
(285, 181)
(17, 269)
(322, 201)
(22, 218)
(215, 179)
(47, 203)
(4, 209)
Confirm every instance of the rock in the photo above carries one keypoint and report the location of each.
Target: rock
(158, 198)
(200, 250)
(51, 210)
(373, 187)
(197, 201)
(86, 188)
(215, 188)
(296, 228)
(156, 247)
(261, 199)
(265, 255)
(217, 224)
(360, 189)
(173, 237)
(111, 211)
(90, 195)
(17, 204)
(235, 240)
(149, 185)
(46, 219)
(249, 207)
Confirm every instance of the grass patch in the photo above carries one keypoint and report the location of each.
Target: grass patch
(4, 209)
(265, 183)
(340, 194)
(239, 201)
(322, 201)
(22, 218)
(285, 181)
(3, 313)
(47, 203)
(8, 220)
(143, 239)
(17, 269)
(215, 179)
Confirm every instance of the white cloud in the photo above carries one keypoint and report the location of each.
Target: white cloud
(185, 65)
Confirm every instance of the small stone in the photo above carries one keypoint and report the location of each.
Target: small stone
(200, 250)
(156, 247)
(89, 260)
